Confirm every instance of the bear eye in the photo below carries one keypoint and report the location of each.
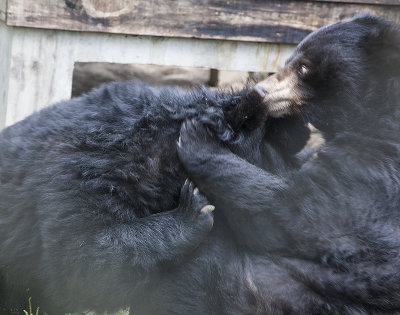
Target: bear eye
(303, 70)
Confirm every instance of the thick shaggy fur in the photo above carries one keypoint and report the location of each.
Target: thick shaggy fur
(89, 194)
(325, 238)
(91, 207)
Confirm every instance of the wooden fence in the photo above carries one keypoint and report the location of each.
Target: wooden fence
(40, 40)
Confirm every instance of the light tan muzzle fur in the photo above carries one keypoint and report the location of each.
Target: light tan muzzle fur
(279, 92)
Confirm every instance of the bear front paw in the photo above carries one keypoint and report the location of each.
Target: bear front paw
(195, 208)
(197, 144)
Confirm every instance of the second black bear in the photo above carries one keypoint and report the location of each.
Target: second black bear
(330, 230)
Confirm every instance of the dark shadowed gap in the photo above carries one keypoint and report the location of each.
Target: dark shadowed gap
(88, 75)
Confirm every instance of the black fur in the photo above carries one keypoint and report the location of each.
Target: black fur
(324, 238)
(89, 191)
(90, 216)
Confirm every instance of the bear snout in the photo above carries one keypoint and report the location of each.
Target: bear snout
(278, 92)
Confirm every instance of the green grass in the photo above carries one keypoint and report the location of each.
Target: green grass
(32, 311)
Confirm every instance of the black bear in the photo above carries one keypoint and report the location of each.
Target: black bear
(323, 238)
(91, 206)
(89, 194)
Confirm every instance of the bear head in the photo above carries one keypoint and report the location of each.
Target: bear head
(339, 74)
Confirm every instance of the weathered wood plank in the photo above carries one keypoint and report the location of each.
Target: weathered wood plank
(3, 9)
(377, 2)
(250, 20)
(40, 72)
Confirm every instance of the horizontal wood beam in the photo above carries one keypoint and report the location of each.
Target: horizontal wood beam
(251, 20)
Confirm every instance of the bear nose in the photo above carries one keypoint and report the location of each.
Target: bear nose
(261, 90)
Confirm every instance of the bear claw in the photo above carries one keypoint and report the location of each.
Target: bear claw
(208, 209)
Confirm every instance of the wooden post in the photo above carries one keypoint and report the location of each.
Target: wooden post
(5, 61)
(3, 9)
(37, 71)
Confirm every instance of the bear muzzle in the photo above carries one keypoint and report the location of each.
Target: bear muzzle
(279, 93)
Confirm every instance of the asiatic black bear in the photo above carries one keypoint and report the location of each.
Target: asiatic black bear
(324, 238)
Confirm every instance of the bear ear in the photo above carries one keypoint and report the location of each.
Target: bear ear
(382, 45)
